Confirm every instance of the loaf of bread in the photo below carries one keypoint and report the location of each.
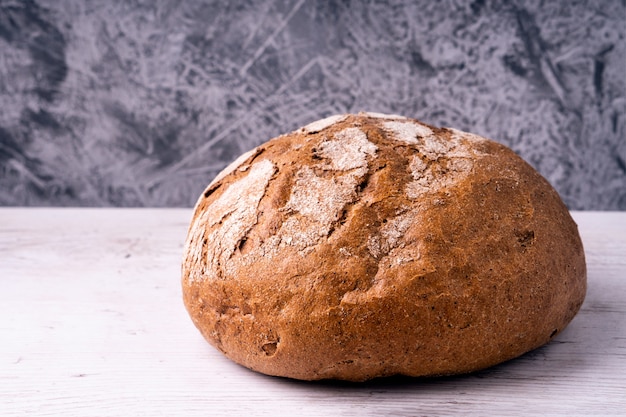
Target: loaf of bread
(369, 245)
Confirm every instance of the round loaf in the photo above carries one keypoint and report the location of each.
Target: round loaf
(369, 245)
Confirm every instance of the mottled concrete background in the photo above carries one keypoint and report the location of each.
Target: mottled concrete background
(141, 103)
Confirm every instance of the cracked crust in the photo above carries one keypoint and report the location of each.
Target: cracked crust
(371, 245)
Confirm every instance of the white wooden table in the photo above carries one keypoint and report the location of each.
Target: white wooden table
(92, 324)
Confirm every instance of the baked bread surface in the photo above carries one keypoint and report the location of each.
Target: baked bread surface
(370, 245)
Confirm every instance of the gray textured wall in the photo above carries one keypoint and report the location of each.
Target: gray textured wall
(141, 103)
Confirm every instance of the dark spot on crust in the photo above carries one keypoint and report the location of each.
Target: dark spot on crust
(258, 151)
(270, 348)
(316, 156)
(526, 238)
(363, 183)
(242, 244)
(210, 191)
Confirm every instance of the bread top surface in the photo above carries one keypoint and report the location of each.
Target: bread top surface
(343, 248)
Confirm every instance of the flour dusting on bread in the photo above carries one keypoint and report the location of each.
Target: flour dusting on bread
(390, 234)
(235, 211)
(408, 132)
(322, 124)
(237, 163)
(349, 149)
(316, 203)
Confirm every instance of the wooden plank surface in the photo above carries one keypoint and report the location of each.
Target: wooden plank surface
(92, 324)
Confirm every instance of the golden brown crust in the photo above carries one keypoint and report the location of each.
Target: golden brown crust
(370, 245)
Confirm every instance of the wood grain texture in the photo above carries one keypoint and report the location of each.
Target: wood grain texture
(92, 323)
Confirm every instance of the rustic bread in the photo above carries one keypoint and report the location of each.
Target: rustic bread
(370, 245)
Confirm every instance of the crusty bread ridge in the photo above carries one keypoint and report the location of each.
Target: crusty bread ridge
(370, 245)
